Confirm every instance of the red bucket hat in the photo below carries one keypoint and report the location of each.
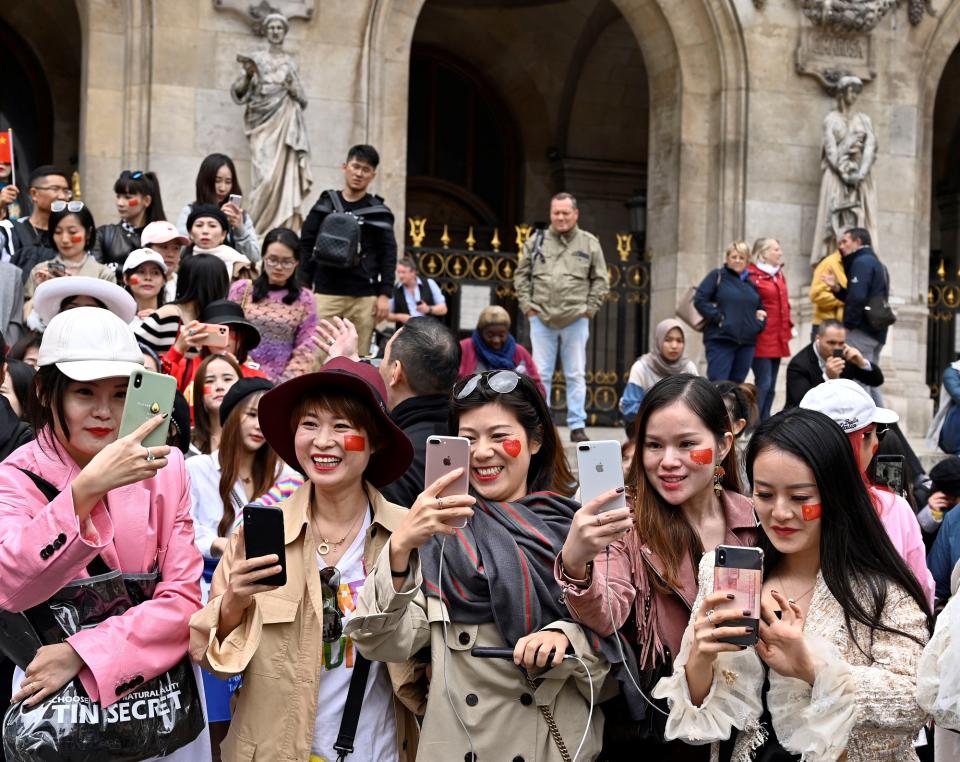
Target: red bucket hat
(394, 453)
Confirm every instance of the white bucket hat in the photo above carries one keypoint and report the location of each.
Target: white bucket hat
(138, 257)
(848, 404)
(89, 344)
(51, 293)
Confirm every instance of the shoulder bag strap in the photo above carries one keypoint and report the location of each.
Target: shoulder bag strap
(335, 200)
(97, 565)
(351, 710)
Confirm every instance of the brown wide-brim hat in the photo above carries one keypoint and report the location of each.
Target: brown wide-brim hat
(394, 453)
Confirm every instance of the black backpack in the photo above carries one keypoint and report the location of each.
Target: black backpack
(339, 242)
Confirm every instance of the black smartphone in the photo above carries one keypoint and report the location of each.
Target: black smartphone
(263, 535)
(739, 571)
(889, 472)
(838, 353)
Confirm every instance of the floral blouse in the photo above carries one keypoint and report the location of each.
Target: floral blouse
(861, 704)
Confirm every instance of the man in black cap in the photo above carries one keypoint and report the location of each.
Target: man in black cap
(938, 517)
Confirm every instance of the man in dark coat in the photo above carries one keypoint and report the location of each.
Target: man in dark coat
(829, 356)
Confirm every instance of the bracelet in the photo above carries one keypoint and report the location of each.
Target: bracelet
(401, 574)
(585, 582)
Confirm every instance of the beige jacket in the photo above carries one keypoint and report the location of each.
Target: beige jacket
(491, 696)
(278, 646)
(569, 281)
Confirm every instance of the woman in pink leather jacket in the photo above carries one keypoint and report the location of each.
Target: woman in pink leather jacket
(127, 503)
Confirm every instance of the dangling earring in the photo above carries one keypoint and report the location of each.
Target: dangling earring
(718, 474)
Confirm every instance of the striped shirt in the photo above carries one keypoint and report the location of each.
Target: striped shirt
(158, 333)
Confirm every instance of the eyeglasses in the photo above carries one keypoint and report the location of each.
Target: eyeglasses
(70, 206)
(283, 264)
(499, 381)
(55, 189)
(332, 615)
(881, 431)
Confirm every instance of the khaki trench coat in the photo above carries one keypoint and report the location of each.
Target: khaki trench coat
(278, 646)
(495, 702)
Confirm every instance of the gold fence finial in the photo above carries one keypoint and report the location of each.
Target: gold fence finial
(445, 238)
(624, 245)
(75, 185)
(941, 271)
(471, 241)
(495, 241)
(417, 230)
(523, 233)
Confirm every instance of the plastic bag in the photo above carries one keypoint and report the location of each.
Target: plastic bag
(159, 717)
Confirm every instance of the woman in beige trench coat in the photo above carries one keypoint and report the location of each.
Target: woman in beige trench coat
(497, 591)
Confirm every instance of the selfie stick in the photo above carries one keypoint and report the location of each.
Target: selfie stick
(13, 163)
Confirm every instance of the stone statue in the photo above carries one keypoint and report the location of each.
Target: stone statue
(847, 194)
(274, 124)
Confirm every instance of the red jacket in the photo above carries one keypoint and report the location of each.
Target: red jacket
(774, 339)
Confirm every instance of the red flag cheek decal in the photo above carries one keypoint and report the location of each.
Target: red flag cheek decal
(703, 457)
(354, 443)
(512, 447)
(133, 202)
(134, 280)
(207, 390)
(77, 238)
(811, 512)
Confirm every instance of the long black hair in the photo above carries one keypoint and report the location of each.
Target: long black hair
(548, 470)
(21, 380)
(207, 176)
(201, 279)
(857, 559)
(661, 525)
(261, 286)
(144, 184)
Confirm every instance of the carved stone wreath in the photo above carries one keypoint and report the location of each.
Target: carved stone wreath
(860, 15)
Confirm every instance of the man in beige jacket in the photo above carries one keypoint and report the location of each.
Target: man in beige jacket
(561, 282)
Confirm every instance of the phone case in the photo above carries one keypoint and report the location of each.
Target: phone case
(740, 571)
(217, 335)
(263, 535)
(444, 454)
(600, 466)
(148, 394)
(889, 472)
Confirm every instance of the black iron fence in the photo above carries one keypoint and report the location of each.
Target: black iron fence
(943, 307)
(472, 279)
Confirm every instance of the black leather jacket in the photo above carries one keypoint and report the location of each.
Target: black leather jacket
(114, 244)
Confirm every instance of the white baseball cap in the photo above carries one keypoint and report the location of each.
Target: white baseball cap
(51, 294)
(138, 257)
(848, 404)
(162, 232)
(89, 344)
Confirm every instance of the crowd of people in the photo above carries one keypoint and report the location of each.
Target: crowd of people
(489, 613)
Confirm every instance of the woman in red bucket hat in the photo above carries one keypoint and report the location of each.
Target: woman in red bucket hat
(288, 641)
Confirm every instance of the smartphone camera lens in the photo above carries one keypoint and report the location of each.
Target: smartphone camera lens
(722, 556)
(137, 381)
(584, 448)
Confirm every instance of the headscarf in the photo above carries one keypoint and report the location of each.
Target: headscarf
(655, 360)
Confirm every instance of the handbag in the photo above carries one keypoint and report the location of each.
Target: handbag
(878, 312)
(686, 310)
(158, 717)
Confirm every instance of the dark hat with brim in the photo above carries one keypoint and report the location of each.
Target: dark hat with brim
(227, 312)
(946, 476)
(393, 454)
(239, 392)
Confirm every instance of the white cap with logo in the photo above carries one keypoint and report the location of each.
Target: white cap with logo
(138, 257)
(848, 404)
(89, 344)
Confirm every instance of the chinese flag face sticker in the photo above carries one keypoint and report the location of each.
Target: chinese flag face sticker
(811, 512)
(354, 443)
(703, 457)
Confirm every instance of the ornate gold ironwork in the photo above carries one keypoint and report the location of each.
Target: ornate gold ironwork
(505, 268)
(523, 233)
(417, 230)
(624, 245)
(458, 266)
(941, 271)
(471, 241)
(445, 238)
(75, 185)
(431, 263)
(482, 267)
(951, 296)
(934, 295)
(637, 276)
(495, 241)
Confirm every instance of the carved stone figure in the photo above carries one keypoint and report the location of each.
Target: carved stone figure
(275, 128)
(847, 194)
(860, 15)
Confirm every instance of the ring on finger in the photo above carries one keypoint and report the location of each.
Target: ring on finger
(599, 520)
(440, 503)
(710, 614)
(150, 456)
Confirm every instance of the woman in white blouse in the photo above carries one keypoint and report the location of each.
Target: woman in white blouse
(842, 621)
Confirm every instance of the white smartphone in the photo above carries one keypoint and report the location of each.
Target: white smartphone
(445, 454)
(236, 200)
(601, 470)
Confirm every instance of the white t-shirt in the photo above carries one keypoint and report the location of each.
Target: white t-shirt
(377, 730)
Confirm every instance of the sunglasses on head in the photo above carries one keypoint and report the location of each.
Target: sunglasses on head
(135, 174)
(70, 206)
(499, 381)
(332, 615)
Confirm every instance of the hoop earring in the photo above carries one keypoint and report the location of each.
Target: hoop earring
(718, 474)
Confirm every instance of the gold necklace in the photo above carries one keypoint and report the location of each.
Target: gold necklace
(794, 600)
(325, 545)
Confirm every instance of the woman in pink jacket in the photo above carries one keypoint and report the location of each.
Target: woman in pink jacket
(118, 499)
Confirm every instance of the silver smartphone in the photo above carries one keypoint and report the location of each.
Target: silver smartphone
(601, 470)
(236, 200)
(446, 454)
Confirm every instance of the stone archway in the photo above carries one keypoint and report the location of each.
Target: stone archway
(696, 63)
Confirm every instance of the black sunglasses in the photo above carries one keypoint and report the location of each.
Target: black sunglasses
(499, 381)
(332, 615)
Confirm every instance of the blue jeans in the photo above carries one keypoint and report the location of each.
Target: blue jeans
(572, 343)
(765, 371)
(727, 361)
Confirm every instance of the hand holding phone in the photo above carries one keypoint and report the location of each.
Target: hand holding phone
(444, 455)
(236, 200)
(838, 353)
(600, 468)
(739, 571)
(217, 336)
(263, 537)
(148, 394)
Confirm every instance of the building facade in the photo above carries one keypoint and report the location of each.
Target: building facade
(690, 123)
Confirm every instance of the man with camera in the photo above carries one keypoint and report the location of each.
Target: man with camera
(828, 356)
